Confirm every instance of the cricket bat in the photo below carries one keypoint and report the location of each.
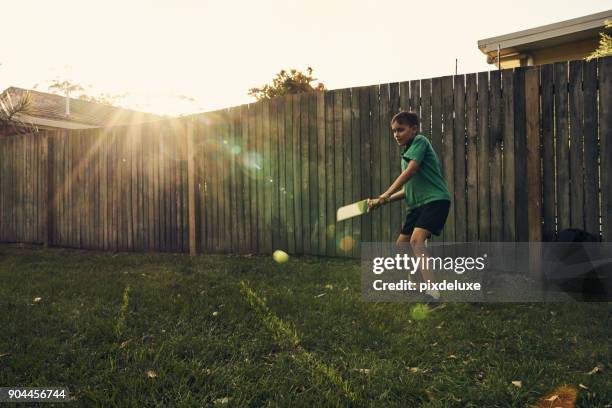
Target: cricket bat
(352, 210)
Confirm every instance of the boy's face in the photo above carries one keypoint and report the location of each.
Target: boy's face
(403, 133)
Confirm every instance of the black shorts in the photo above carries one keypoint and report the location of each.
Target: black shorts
(430, 216)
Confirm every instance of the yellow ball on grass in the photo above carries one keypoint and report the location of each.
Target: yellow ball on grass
(280, 256)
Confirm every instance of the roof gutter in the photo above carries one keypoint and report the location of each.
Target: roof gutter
(568, 27)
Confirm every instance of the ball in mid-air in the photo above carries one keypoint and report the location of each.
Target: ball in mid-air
(419, 311)
(280, 256)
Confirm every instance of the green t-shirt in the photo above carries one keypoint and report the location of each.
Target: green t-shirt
(427, 184)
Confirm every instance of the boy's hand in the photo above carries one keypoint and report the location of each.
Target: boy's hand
(377, 202)
(373, 203)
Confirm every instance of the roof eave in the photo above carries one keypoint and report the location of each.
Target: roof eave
(573, 28)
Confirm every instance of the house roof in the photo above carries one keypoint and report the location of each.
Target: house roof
(50, 110)
(548, 35)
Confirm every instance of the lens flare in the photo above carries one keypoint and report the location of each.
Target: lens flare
(347, 243)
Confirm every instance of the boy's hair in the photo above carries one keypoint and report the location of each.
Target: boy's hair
(406, 118)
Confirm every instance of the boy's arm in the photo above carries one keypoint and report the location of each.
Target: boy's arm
(412, 168)
(376, 202)
(398, 195)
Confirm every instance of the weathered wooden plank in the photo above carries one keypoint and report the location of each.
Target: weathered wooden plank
(204, 183)
(404, 96)
(26, 224)
(185, 191)
(179, 160)
(25, 193)
(415, 97)
(356, 165)
(63, 180)
(347, 241)
(218, 196)
(125, 203)
(6, 192)
(459, 159)
(330, 182)
(484, 157)
(3, 189)
(158, 163)
(274, 185)
(534, 178)
(209, 163)
(313, 188)
(605, 132)
(520, 157)
(591, 173)
(282, 180)
(339, 166)
(548, 153)
(254, 173)
(75, 188)
(162, 189)
(3, 192)
(448, 153)
(264, 225)
(150, 221)
(383, 160)
(142, 214)
(375, 183)
(321, 176)
(26, 198)
(426, 107)
(132, 156)
(509, 179)
(268, 186)
(436, 130)
(94, 199)
(562, 145)
(471, 125)
(496, 169)
(61, 183)
(238, 151)
(290, 176)
(304, 161)
(175, 140)
(576, 109)
(365, 129)
(191, 188)
(394, 154)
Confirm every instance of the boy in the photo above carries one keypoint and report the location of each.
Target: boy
(424, 189)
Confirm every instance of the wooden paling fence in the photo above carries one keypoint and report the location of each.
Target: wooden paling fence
(526, 152)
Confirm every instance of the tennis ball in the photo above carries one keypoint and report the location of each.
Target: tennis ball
(419, 311)
(280, 256)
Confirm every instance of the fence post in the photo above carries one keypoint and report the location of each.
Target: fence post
(534, 179)
(191, 190)
(49, 191)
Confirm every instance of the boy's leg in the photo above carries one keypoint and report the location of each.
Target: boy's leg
(418, 242)
(403, 239)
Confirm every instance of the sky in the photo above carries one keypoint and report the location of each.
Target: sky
(183, 56)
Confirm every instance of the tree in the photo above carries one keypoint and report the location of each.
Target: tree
(67, 87)
(10, 109)
(605, 44)
(286, 83)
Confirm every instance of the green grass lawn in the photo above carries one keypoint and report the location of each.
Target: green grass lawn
(170, 330)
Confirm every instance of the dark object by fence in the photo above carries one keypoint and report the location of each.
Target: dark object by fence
(577, 270)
